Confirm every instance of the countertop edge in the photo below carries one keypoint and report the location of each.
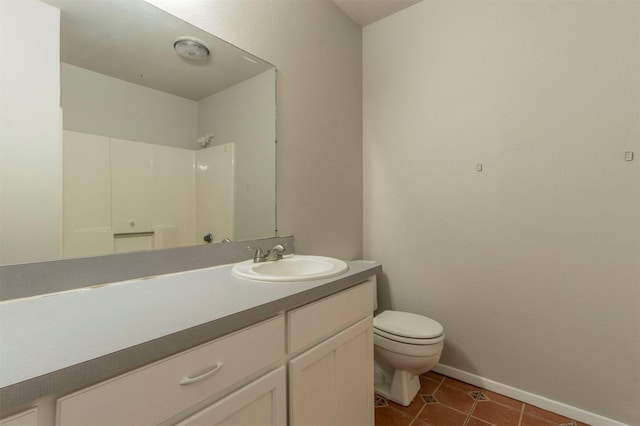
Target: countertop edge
(111, 365)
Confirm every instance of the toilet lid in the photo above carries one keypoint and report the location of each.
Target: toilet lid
(406, 324)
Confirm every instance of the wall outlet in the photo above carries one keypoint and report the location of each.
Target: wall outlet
(628, 156)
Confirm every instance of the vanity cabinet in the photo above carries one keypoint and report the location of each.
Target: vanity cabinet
(168, 387)
(26, 418)
(331, 383)
(262, 402)
(320, 355)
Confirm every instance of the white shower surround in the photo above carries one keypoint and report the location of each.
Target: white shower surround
(122, 196)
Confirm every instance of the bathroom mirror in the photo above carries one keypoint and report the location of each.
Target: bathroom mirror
(160, 150)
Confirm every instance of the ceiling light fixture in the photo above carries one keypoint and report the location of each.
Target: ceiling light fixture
(191, 48)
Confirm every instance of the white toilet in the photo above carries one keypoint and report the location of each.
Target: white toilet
(405, 346)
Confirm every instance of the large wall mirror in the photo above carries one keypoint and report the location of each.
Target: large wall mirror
(168, 134)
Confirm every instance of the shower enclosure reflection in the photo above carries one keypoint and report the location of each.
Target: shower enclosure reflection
(168, 189)
(122, 196)
(157, 150)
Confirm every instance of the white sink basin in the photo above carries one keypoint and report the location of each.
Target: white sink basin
(294, 267)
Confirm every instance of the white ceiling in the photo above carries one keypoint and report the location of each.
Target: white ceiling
(365, 12)
(132, 40)
(125, 38)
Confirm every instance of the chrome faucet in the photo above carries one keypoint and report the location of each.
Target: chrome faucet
(276, 252)
(271, 255)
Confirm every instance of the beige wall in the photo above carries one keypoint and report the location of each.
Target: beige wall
(533, 264)
(102, 105)
(317, 51)
(30, 157)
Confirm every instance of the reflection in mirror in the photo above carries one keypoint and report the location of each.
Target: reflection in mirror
(158, 150)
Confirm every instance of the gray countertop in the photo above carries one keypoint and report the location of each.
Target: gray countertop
(55, 343)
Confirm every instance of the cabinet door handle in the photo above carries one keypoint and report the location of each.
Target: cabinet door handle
(189, 380)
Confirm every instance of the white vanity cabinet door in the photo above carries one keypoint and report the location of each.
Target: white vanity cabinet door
(332, 383)
(263, 402)
(26, 418)
(168, 387)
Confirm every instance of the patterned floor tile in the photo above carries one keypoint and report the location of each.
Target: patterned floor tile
(429, 399)
(412, 409)
(379, 401)
(387, 416)
(455, 398)
(478, 396)
(496, 414)
(477, 422)
(546, 415)
(438, 414)
(460, 385)
(443, 401)
(528, 420)
(428, 386)
(504, 400)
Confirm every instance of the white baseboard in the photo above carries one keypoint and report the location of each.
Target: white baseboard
(528, 397)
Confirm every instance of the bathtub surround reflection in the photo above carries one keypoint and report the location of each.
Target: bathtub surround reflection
(122, 196)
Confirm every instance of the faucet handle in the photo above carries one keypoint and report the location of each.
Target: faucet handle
(278, 249)
(259, 255)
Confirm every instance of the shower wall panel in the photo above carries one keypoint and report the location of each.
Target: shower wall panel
(121, 196)
(86, 195)
(215, 177)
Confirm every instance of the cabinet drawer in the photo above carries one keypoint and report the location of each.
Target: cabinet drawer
(321, 319)
(158, 391)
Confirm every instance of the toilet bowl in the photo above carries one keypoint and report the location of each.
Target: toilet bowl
(405, 346)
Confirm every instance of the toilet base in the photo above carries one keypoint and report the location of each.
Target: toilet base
(401, 388)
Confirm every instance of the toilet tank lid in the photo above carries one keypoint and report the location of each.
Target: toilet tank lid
(407, 324)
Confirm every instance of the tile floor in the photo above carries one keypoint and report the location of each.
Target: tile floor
(443, 401)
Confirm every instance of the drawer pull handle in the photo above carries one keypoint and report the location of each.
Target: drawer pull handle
(190, 380)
